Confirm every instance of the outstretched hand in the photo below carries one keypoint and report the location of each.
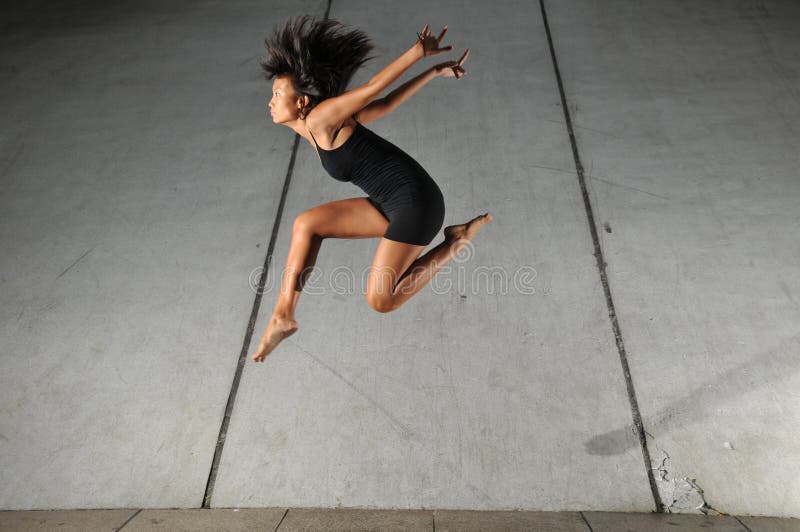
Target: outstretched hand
(452, 69)
(430, 44)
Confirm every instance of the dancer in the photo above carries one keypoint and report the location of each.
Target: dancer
(311, 63)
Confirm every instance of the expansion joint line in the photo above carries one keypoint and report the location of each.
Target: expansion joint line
(223, 431)
(601, 265)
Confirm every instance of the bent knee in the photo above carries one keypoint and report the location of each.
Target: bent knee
(381, 304)
(305, 222)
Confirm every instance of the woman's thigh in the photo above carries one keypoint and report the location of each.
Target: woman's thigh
(391, 261)
(348, 218)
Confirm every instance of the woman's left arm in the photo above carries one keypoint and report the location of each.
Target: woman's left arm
(387, 104)
(330, 113)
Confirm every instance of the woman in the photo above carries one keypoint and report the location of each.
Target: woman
(311, 63)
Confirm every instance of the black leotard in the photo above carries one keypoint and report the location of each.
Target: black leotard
(396, 184)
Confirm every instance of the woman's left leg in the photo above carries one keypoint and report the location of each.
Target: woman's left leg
(398, 272)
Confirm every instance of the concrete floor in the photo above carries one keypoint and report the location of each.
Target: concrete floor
(329, 520)
(143, 181)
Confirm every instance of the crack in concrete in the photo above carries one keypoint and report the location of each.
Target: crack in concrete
(404, 430)
(680, 495)
(76, 262)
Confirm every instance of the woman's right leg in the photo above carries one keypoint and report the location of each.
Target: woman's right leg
(349, 218)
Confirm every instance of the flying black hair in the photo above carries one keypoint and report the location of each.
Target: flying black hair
(320, 55)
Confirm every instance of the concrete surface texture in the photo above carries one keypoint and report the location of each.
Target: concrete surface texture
(358, 520)
(142, 178)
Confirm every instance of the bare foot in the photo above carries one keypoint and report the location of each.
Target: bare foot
(467, 231)
(278, 329)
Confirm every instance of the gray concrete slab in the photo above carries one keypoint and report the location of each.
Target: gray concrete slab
(621, 522)
(686, 120)
(206, 520)
(64, 520)
(770, 524)
(339, 520)
(473, 521)
(470, 396)
(354, 519)
(141, 176)
(139, 181)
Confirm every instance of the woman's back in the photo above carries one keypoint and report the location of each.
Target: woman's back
(381, 169)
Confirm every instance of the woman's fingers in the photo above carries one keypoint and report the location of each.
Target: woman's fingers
(450, 69)
(463, 57)
(432, 46)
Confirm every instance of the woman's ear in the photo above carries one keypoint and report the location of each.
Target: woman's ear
(302, 104)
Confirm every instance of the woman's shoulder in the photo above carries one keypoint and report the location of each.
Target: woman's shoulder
(331, 136)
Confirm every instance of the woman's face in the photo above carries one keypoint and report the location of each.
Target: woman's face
(285, 104)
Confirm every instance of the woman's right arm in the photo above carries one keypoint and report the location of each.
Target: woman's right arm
(384, 106)
(329, 114)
